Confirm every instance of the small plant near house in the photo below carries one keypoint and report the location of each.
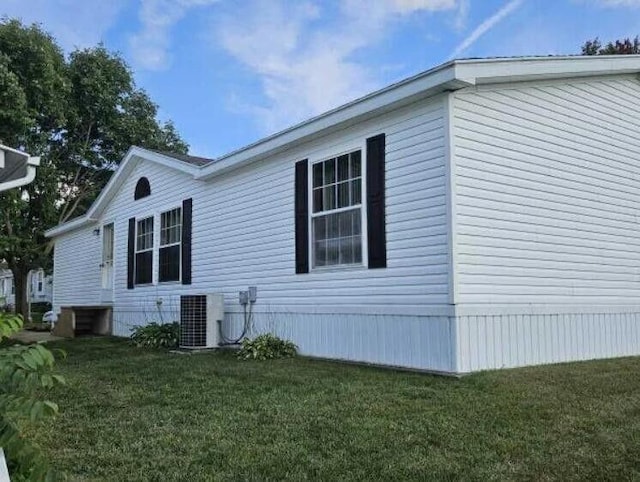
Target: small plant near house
(267, 347)
(156, 335)
(25, 374)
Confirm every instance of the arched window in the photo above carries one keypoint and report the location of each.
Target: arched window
(143, 189)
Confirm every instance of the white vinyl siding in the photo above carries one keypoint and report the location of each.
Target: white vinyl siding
(243, 228)
(548, 193)
(76, 269)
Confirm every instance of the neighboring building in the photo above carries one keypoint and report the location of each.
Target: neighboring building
(40, 287)
(7, 295)
(480, 215)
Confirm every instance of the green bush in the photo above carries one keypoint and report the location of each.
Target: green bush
(25, 375)
(156, 335)
(267, 347)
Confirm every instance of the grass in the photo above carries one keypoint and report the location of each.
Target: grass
(135, 414)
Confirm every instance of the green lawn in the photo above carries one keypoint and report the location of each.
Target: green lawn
(132, 414)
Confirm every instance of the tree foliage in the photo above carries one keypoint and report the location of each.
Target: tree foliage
(624, 46)
(80, 114)
(25, 373)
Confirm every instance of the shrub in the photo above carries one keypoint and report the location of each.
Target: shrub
(156, 335)
(25, 374)
(267, 347)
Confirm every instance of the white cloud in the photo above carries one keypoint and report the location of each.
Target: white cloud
(485, 26)
(304, 61)
(150, 47)
(74, 23)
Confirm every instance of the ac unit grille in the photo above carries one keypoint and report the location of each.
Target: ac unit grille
(193, 321)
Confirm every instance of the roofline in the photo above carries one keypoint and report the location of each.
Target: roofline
(133, 155)
(452, 75)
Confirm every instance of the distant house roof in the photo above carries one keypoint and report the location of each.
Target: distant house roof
(193, 160)
(451, 76)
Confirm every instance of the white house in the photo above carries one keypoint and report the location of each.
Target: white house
(483, 214)
(40, 287)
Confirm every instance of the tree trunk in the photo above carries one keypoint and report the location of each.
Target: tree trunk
(20, 279)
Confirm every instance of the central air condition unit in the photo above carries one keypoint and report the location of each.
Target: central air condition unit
(199, 318)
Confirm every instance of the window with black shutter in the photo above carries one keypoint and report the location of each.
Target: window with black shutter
(170, 244)
(144, 251)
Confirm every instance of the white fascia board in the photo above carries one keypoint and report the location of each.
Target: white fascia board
(488, 71)
(133, 156)
(131, 159)
(69, 226)
(423, 85)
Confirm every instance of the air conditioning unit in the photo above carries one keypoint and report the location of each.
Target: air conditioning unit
(200, 316)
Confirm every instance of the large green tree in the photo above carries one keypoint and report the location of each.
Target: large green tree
(624, 46)
(79, 113)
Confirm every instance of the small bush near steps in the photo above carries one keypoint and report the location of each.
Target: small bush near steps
(267, 347)
(156, 335)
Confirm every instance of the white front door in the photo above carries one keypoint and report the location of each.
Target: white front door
(107, 263)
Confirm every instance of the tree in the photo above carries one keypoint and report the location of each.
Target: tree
(80, 115)
(625, 46)
(25, 374)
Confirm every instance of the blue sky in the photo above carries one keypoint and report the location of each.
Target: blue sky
(230, 72)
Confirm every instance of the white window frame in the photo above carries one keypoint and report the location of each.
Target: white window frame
(152, 249)
(325, 155)
(160, 245)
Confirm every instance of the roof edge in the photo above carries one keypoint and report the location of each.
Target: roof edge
(134, 155)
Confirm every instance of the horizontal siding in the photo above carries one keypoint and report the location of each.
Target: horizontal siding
(506, 341)
(76, 269)
(243, 226)
(547, 193)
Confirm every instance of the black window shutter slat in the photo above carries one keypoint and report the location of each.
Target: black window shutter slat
(376, 229)
(187, 208)
(131, 253)
(302, 216)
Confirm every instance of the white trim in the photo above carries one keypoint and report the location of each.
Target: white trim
(450, 180)
(479, 309)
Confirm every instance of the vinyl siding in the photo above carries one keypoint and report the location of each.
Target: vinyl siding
(76, 269)
(243, 226)
(547, 194)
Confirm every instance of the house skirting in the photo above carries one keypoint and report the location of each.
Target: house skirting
(453, 344)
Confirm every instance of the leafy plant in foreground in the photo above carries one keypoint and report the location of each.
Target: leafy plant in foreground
(25, 372)
(156, 335)
(267, 347)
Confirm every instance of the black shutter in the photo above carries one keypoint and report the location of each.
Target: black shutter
(302, 216)
(376, 235)
(187, 207)
(131, 252)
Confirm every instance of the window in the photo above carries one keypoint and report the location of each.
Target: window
(170, 239)
(337, 210)
(143, 189)
(40, 280)
(144, 251)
